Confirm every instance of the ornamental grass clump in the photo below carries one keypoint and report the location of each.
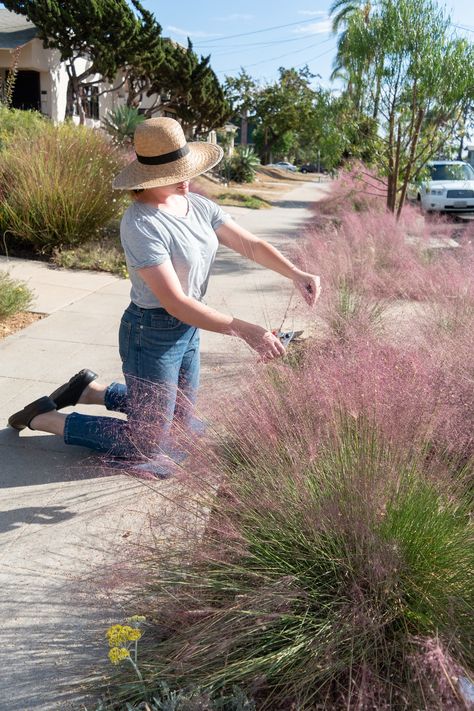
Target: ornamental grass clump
(357, 189)
(329, 552)
(337, 540)
(55, 186)
(380, 258)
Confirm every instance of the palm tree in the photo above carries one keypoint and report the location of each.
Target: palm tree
(343, 10)
(355, 53)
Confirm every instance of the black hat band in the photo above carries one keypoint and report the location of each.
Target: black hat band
(165, 157)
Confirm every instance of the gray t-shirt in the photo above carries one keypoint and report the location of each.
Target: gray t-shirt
(150, 236)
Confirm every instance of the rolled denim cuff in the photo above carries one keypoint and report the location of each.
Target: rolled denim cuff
(109, 397)
(115, 398)
(82, 430)
(69, 437)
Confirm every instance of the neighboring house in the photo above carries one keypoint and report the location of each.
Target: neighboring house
(42, 79)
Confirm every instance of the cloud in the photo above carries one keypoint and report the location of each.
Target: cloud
(189, 33)
(322, 27)
(313, 13)
(235, 16)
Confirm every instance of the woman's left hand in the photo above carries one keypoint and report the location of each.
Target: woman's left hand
(309, 285)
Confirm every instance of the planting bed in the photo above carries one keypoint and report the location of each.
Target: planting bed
(15, 323)
(336, 566)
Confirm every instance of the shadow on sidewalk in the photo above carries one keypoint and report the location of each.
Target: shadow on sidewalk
(43, 459)
(302, 204)
(15, 518)
(52, 645)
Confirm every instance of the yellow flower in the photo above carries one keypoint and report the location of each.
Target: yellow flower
(116, 635)
(130, 634)
(118, 654)
(134, 635)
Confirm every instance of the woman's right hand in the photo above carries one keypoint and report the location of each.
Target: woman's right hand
(265, 343)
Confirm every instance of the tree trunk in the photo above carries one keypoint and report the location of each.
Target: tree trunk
(378, 88)
(77, 93)
(411, 160)
(396, 170)
(391, 180)
(244, 127)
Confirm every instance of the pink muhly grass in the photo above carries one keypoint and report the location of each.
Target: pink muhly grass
(438, 674)
(329, 512)
(370, 253)
(358, 189)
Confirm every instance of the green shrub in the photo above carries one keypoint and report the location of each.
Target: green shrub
(242, 166)
(14, 121)
(56, 186)
(14, 296)
(254, 202)
(121, 123)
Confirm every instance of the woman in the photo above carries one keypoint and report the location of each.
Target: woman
(170, 238)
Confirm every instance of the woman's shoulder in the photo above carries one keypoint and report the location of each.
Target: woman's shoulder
(199, 199)
(137, 223)
(203, 204)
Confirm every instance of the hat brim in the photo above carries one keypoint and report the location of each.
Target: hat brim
(201, 157)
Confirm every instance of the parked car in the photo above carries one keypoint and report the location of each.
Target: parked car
(283, 165)
(449, 188)
(309, 168)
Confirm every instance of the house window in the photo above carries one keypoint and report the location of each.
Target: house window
(91, 102)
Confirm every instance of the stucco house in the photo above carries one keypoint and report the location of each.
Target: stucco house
(42, 79)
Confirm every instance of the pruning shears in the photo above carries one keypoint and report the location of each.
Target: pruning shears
(286, 337)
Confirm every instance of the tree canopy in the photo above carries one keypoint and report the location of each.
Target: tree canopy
(116, 37)
(406, 68)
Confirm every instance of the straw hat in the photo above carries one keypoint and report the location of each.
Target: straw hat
(164, 157)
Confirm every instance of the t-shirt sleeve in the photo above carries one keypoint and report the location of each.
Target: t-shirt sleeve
(212, 211)
(143, 244)
(218, 216)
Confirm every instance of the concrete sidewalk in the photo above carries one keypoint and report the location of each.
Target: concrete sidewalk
(61, 520)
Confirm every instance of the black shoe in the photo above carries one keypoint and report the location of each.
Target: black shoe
(69, 393)
(22, 419)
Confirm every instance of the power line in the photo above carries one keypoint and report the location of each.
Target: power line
(288, 54)
(238, 51)
(464, 27)
(271, 59)
(260, 44)
(265, 29)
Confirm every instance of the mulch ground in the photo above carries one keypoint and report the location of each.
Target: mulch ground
(17, 322)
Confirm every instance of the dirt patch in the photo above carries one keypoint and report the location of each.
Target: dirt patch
(269, 184)
(15, 323)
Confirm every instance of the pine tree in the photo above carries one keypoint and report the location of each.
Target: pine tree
(195, 93)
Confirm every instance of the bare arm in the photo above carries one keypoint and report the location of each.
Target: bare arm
(163, 281)
(238, 239)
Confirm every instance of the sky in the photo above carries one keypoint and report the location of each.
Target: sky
(271, 33)
(289, 33)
